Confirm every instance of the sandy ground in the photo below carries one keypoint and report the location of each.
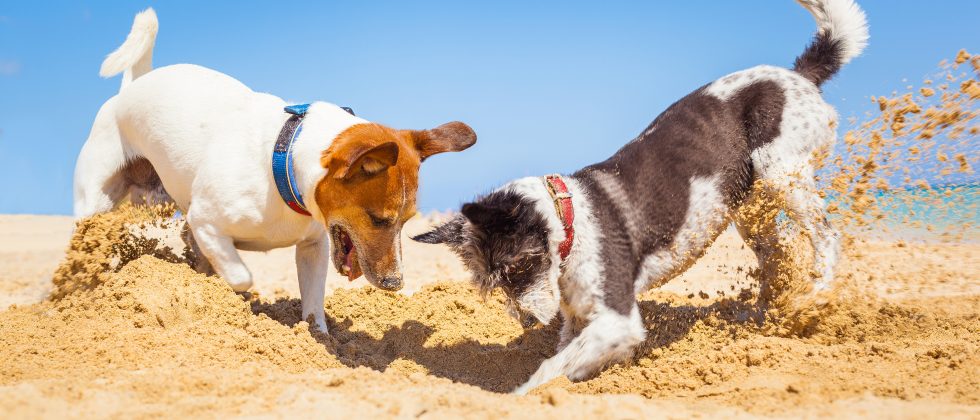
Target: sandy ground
(157, 339)
(33, 246)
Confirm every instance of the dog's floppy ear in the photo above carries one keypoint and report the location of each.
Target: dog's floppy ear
(450, 232)
(482, 215)
(367, 161)
(450, 137)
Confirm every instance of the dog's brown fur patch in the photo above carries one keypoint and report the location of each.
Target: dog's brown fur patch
(372, 176)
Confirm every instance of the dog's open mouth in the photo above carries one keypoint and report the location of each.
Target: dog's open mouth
(344, 253)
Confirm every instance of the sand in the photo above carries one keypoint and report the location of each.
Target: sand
(156, 338)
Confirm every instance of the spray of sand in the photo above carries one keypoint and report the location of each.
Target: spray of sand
(914, 156)
(104, 243)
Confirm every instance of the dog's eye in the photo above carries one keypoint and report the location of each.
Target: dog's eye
(380, 222)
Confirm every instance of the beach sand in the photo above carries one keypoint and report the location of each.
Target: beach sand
(156, 339)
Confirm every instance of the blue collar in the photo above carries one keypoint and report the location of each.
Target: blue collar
(282, 158)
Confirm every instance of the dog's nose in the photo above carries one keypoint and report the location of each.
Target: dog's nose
(391, 283)
(528, 321)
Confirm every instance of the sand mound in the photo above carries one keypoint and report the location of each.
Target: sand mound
(149, 314)
(105, 242)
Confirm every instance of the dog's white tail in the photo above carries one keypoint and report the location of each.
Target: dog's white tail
(135, 55)
(842, 34)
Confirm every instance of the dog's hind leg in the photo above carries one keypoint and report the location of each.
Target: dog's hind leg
(99, 182)
(757, 223)
(610, 337)
(805, 206)
(220, 251)
(786, 167)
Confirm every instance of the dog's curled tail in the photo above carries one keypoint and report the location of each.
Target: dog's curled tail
(842, 33)
(135, 55)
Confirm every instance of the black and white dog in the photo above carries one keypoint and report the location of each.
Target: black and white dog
(587, 243)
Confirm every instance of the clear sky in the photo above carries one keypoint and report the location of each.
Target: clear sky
(548, 86)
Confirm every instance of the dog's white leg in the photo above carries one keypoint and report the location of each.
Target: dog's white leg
(757, 224)
(808, 209)
(99, 185)
(567, 331)
(200, 262)
(312, 262)
(571, 326)
(220, 251)
(609, 338)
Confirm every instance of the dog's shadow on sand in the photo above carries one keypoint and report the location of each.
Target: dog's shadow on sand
(493, 367)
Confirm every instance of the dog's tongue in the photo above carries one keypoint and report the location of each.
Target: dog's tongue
(351, 261)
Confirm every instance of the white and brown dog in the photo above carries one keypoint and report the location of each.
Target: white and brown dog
(240, 166)
(587, 243)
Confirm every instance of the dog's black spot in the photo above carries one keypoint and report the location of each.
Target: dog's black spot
(761, 105)
(698, 136)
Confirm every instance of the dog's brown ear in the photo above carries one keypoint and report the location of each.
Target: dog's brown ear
(450, 137)
(367, 161)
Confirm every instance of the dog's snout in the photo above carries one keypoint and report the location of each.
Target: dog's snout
(391, 283)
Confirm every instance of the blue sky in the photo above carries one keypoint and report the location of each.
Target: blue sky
(548, 86)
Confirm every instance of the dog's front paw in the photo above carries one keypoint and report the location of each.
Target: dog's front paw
(523, 389)
(318, 322)
(320, 327)
(240, 285)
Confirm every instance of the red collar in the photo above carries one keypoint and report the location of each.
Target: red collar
(563, 206)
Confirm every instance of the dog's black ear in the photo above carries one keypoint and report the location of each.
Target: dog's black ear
(450, 232)
(481, 215)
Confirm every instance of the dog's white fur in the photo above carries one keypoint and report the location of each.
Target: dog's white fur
(592, 334)
(135, 55)
(210, 139)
